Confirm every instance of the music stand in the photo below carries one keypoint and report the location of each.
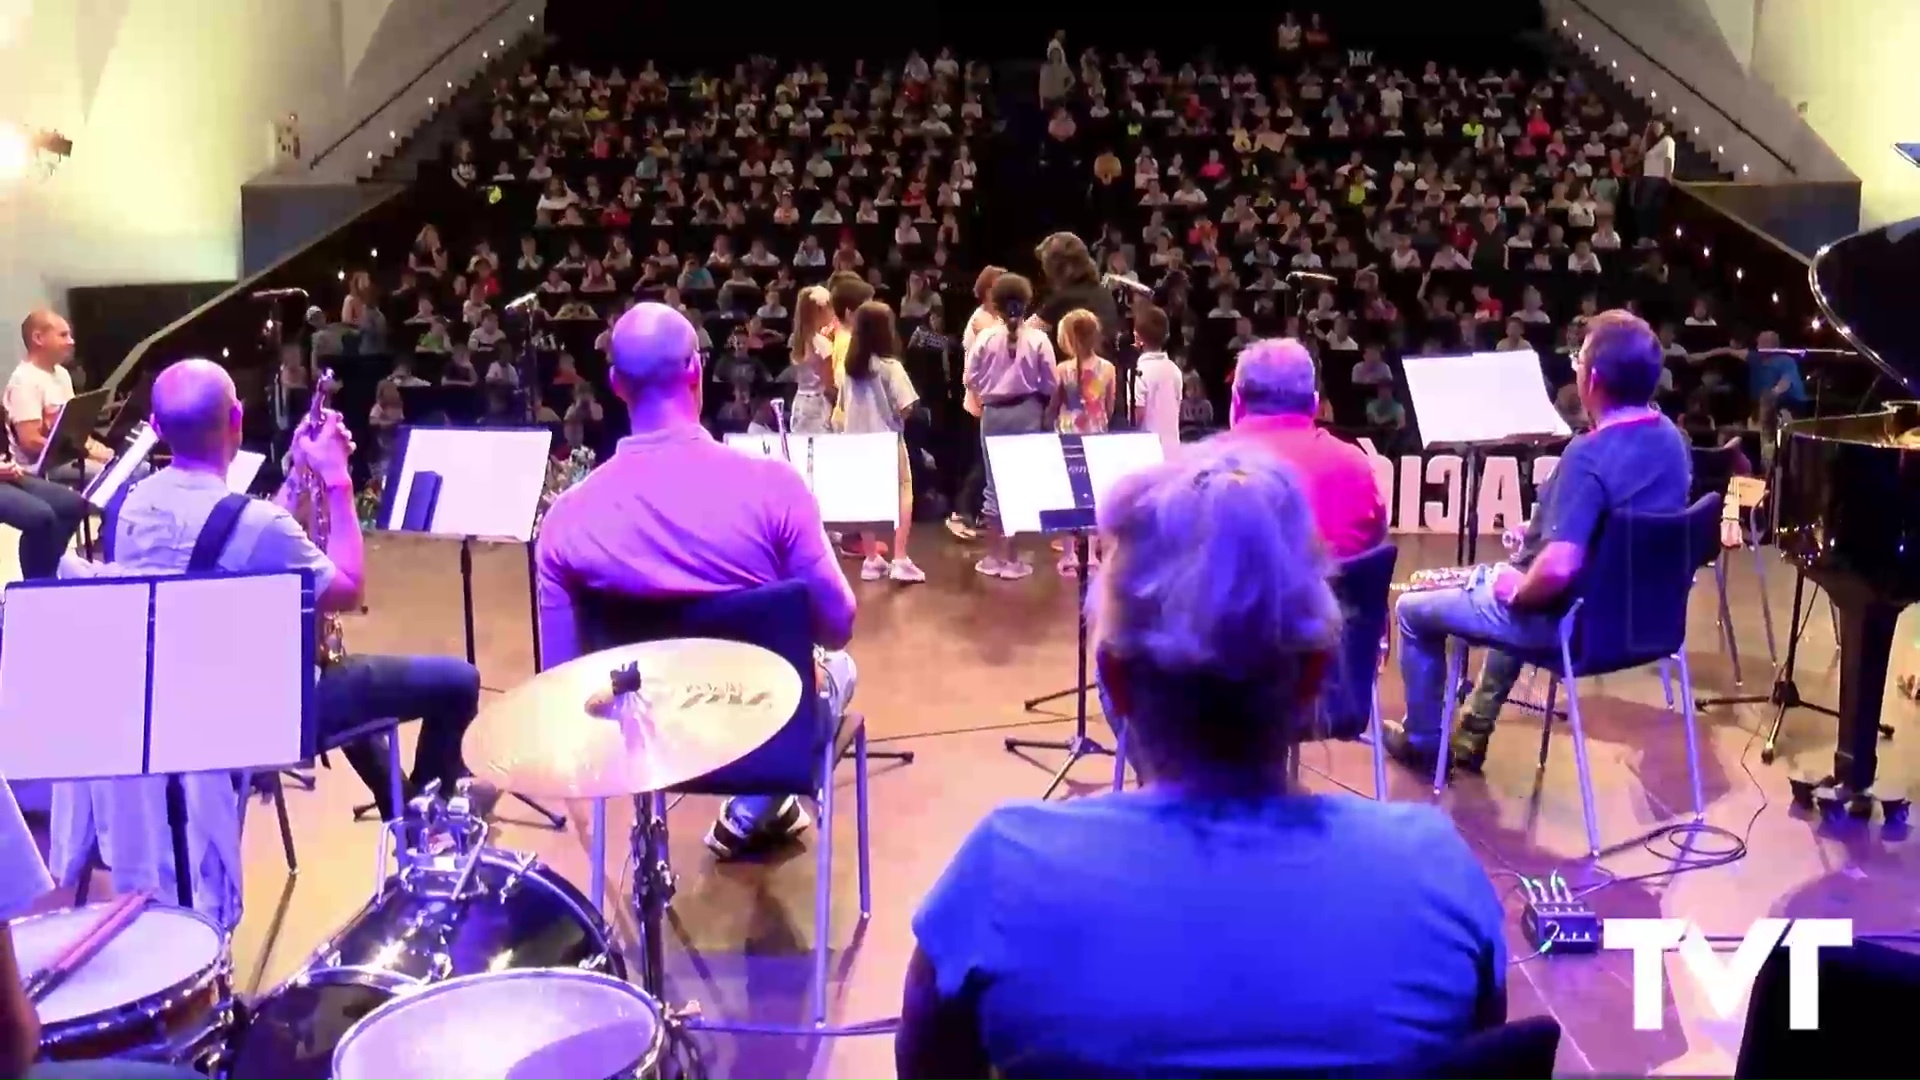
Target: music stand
(1055, 484)
(854, 477)
(133, 411)
(171, 688)
(465, 483)
(67, 439)
(1476, 403)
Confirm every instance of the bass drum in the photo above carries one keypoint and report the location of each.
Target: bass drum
(515, 913)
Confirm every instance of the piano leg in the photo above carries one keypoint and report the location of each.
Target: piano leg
(1868, 630)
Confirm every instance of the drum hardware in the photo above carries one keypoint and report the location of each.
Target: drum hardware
(449, 906)
(159, 991)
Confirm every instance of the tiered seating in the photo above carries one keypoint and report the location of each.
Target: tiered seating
(723, 196)
(1451, 211)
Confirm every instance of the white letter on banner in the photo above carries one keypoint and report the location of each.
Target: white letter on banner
(1443, 516)
(1500, 499)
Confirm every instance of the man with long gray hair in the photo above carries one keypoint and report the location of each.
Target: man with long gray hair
(1275, 398)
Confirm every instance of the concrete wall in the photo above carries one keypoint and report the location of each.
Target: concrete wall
(170, 104)
(1855, 67)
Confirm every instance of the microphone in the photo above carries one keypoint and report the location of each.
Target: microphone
(1310, 275)
(277, 294)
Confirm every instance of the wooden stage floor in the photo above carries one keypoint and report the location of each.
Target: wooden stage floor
(943, 670)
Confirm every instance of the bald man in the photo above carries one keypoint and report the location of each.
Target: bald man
(156, 527)
(39, 386)
(672, 514)
(1275, 399)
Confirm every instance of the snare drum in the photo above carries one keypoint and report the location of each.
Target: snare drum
(561, 1024)
(159, 991)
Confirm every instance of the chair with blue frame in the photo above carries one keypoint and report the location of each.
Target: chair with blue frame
(1628, 610)
(1350, 704)
(800, 759)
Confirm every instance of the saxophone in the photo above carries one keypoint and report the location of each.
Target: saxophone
(309, 507)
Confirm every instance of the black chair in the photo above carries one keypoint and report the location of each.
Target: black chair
(1859, 991)
(1516, 1050)
(1350, 702)
(800, 758)
(1629, 609)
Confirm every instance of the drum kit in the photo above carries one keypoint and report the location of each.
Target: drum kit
(469, 960)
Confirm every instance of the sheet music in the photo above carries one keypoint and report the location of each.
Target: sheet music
(226, 700)
(120, 473)
(855, 477)
(73, 705)
(490, 479)
(1030, 471)
(244, 470)
(1485, 397)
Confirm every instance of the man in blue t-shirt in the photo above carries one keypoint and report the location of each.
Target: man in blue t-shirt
(1776, 383)
(1633, 460)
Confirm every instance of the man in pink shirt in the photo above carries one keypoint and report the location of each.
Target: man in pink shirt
(673, 513)
(1274, 402)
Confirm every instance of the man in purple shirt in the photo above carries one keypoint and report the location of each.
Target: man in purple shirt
(673, 513)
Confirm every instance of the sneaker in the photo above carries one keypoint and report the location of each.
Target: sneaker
(988, 567)
(1015, 570)
(733, 834)
(904, 571)
(873, 568)
(960, 527)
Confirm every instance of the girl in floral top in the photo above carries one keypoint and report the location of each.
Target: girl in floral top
(1083, 394)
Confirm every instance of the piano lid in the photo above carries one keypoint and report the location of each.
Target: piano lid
(1865, 284)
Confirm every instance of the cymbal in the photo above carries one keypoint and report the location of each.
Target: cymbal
(566, 734)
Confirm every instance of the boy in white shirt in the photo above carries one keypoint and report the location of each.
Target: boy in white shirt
(1158, 384)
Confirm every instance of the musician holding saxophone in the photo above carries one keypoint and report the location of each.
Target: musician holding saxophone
(163, 518)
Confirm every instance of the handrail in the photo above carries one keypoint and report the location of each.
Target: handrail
(1685, 85)
(411, 83)
(248, 284)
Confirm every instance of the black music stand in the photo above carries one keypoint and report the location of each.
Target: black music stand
(856, 480)
(160, 671)
(1476, 403)
(464, 483)
(133, 411)
(1053, 484)
(67, 440)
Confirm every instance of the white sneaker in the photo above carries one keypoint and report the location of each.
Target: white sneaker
(1015, 570)
(988, 567)
(873, 568)
(904, 571)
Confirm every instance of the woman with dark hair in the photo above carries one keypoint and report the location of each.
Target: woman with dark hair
(1073, 282)
(876, 397)
(1213, 673)
(1011, 369)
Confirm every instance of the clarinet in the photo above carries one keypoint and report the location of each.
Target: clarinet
(780, 425)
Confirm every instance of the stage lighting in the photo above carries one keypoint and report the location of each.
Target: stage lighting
(23, 150)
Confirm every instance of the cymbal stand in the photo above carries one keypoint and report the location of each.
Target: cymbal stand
(1080, 744)
(1786, 694)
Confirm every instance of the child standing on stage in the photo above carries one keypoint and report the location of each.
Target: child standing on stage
(1082, 397)
(812, 357)
(877, 396)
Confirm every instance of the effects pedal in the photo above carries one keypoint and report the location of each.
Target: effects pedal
(1556, 921)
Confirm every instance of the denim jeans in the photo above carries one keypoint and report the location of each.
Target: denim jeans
(837, 677)
(442, 692)
(47, 514)
(1428, 620)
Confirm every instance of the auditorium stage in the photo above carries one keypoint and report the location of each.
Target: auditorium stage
(943, 669)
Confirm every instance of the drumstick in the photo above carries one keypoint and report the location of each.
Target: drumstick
(115, 919)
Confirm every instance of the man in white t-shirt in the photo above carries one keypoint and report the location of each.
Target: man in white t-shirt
(39, 386)
(1656, 172)
(1157, 380)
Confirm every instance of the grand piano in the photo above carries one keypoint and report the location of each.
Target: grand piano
(1847, 499)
